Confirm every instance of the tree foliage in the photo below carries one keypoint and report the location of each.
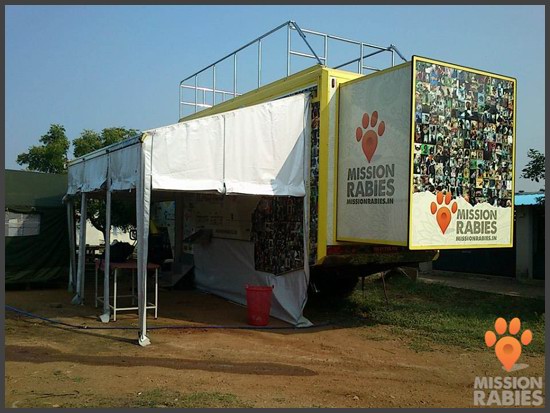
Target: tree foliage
(51, 156)
(90, 140)
(534, 169)
(123, 212)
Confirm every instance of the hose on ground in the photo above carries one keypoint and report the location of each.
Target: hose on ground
(169, 327)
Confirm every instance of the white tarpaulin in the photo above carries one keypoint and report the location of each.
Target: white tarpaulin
(224, 267)
(188, 156)
(95, 174)
(264, 148)
(75, 178)
(88, 176)
(124, 167)
(254, 150)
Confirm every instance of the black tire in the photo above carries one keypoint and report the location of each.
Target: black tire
(333, 282)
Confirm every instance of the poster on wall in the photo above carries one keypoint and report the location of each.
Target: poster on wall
(462, 157)
(226, 216)
(373, 158)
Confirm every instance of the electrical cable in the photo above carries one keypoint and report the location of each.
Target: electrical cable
(170, 327)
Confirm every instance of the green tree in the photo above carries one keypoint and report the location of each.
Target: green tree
(534, 169)
(51, 156)
(123, 212)
(90, 140)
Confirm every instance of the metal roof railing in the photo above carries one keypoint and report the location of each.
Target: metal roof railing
(201, 95)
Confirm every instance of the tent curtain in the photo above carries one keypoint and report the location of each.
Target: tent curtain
(188, 156)
(264, 148)
(257, 150)
(123, 168)
(95, 174)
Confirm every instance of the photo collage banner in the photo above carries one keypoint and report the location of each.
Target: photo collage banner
(462, 160)
(463, 134)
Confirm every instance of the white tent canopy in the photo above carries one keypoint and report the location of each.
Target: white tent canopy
(257, 150)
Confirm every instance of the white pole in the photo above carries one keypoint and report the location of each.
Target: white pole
(72, 247)
(106, 309)
(143, 194)
(80, 276)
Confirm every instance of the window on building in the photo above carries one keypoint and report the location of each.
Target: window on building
(21, 225)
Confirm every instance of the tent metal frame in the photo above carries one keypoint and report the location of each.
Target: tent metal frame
(201, 95)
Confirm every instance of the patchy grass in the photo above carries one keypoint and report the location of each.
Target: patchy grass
(156, 398)
(169, 398)
(431, 314)
(60, 375)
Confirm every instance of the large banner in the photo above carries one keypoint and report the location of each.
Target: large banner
(462, 159)
(373, 158)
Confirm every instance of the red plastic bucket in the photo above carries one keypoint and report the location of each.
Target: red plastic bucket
(258, 302)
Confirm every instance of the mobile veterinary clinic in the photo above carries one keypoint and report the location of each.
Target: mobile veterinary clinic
(317, 178)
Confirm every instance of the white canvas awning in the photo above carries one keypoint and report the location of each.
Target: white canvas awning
(123, 168)
(119, 162)
(189, 156)
(257, 150)
(88, 176)
(264, 148)
(254, 150)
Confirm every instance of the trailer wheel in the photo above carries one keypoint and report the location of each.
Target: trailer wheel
(333, 282)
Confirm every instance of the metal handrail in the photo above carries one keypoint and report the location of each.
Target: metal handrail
(290, 26)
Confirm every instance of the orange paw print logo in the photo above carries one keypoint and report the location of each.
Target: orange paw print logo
(369, 135)
(508, 348)
(443, 213)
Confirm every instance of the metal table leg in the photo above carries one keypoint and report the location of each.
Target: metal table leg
(96, 271)
(114, 293)
(156, 291)
(133, 287)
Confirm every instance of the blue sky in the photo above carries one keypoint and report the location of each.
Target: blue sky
(91, 67)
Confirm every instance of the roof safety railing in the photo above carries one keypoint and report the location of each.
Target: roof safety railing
(200, 94)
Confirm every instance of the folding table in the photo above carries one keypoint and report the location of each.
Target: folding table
(116, 267)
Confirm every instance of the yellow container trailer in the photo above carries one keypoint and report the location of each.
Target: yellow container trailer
(404, 161)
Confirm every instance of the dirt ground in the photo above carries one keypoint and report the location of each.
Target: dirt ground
(326, 366)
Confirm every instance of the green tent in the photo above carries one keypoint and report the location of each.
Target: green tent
(36, 234)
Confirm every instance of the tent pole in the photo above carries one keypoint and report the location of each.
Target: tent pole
(106, 309)
(80, 275)
(72, 248)
(178, 245)
(143, 193)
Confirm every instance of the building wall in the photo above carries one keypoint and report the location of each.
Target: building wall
(525, 260)
(524, 241)
(95, 237)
